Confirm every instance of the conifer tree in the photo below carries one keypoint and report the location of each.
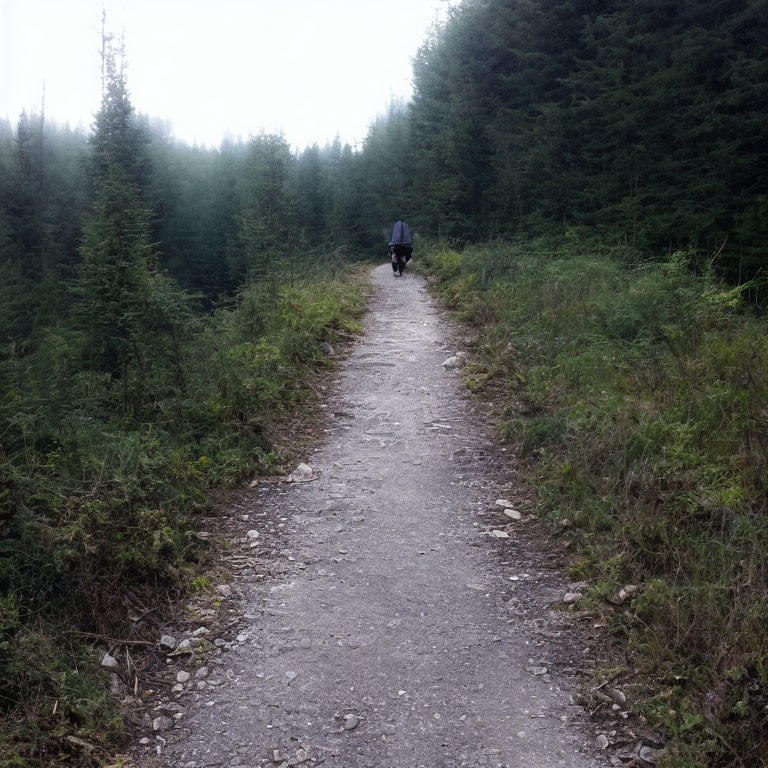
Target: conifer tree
(265, 232)
(128, 310)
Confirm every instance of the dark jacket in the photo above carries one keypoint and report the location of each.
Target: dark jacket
(401, 234)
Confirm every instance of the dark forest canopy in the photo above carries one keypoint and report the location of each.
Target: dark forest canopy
(645, 121)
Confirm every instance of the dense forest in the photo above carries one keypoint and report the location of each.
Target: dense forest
(161, 307)
(641, 121)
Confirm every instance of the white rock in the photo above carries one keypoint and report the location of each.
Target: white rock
(183, 677)
(513, 514)
(200, 631)
(602, 742)
(254, 484)
(109, 662)
(572, 597)
(626, 592)
(224, 590)
(453, 362)
(144, 741)
(184, 648)
(301, 756)
(302, 474)
(351, 722)
(168, 642)
(504, 503)
(162, 724)
(254, 534)
(202, 673)
(616, 696)
(178, 688)
(500, 534)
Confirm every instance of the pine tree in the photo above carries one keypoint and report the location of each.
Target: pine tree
(265, 232)
(128, 311)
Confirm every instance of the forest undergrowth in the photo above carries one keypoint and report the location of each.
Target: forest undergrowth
(102, 477)
(637, 393)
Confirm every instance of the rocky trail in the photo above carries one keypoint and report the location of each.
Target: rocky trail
(389, 612)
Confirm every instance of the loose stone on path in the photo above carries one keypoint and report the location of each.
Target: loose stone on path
(381, 628)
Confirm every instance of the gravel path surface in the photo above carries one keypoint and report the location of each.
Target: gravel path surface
(401, 633)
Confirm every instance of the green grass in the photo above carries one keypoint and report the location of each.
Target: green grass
(98, 501)
(639, 396)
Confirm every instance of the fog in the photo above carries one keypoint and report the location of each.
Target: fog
(232, 67)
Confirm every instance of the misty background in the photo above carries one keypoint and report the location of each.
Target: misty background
(215, 69)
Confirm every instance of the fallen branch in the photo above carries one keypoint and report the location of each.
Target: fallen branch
(112, 642)
(607, 680)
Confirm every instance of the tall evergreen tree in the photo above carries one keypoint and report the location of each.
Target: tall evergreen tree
(310, 195)
(265, 232)
(127, 309)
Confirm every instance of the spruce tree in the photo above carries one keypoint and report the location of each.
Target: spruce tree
(129, 311)
(267, 207)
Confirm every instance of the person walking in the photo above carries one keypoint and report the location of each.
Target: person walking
(400, 247)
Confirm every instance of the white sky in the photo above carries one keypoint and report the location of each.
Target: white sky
(310, 68)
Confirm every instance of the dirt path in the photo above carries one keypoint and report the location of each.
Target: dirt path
(397, 606)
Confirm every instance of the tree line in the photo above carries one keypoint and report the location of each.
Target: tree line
(641, 122)
(218, 216)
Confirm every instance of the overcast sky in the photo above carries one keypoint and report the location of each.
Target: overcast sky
(310, 68)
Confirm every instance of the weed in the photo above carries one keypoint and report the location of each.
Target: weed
(200, 585)
(98, 500)
(639, 395)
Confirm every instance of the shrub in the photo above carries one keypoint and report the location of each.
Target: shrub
(101, 480)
